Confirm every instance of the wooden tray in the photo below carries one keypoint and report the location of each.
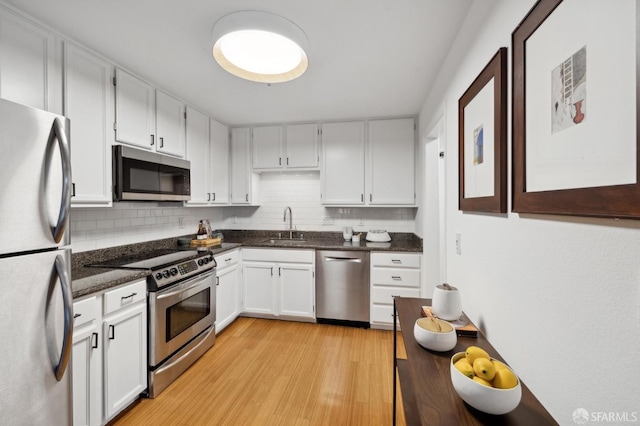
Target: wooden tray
(206, 242)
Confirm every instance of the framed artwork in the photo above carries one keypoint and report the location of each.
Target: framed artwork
(575, 109)
(482, 139)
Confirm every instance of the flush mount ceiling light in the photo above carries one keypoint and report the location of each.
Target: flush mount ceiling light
(260, 46)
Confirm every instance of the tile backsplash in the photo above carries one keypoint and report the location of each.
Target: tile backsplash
(134, 222)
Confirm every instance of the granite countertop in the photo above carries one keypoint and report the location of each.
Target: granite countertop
(89, 280)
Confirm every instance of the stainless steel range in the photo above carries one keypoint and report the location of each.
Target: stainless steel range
(181, 309)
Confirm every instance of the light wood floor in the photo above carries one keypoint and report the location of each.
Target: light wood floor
(269, 372)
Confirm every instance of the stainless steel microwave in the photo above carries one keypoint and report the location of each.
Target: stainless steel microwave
(146, 176)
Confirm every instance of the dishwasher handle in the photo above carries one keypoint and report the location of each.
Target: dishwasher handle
(342, 259)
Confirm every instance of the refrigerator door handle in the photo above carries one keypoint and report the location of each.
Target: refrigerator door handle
(60, 363)
(58, 133)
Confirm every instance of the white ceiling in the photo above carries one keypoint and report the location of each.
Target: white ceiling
(367, 58)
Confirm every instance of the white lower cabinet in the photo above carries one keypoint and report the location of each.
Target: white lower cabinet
(87, 359)
(279, 283)
(392, 274)
(109, 353)
(227, 288)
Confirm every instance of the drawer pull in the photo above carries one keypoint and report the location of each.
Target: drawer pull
(94, 339)
(112, 332)
(228, 260)
(76, 316)
(396, 278)
(396, 261)
(129, 296)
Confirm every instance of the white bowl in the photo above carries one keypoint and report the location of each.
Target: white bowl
(435, 341)
(481, 397)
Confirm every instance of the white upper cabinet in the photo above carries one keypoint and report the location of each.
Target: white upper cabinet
(170, 124)
(343, 154)
(219, 144)
(198, 153)
(267, 147)
(135, 111)
(391, 160)
(88, 103)
(148, 118)
(241, 175)
(301, 143)
(278, 148)
(29, 68)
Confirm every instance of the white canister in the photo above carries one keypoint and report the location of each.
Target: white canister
(446, 303)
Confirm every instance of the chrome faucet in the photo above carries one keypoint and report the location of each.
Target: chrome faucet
(290, 221)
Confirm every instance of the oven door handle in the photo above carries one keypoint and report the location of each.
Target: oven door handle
(186, 285)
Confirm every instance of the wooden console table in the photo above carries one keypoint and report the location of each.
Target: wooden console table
(427, 393)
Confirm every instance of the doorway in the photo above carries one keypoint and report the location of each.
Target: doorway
(434, 242)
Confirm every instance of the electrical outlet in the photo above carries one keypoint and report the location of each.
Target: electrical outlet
(459, 243)
(181, 222)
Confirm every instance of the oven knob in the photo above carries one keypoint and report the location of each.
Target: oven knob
(174, 271)
(205, 260)
(200, 262)
(210, 258)
(158, 276)
(165, 273)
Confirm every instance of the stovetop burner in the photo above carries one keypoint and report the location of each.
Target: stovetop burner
(154, 259)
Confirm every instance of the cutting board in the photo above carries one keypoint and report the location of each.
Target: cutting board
(207, 242)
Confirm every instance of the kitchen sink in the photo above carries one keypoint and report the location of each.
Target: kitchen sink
(284, 241)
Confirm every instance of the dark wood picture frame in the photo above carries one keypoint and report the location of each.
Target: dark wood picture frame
(619, 201)
(496, 69)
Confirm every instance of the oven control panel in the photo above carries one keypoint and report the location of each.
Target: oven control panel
(176, 272)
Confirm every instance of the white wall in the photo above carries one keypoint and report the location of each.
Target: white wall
(133, 222)
(559, 297)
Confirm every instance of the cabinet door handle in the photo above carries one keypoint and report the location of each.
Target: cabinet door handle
(272, 271)
(246, 198)
(280, 161)
(217, 280)
(208, 196)
(214, 196)
(287, 161)
(152, 140)
(73, 189)
(161, 142)
(362, 198)
(279, 272)
(94, 339)
(112, 332)
(370, 197)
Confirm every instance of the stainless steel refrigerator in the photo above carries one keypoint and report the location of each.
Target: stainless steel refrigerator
(36, 311)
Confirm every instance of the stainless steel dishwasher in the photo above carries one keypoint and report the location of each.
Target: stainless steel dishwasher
(342, 287)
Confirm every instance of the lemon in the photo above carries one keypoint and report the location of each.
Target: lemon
(498, 365)
(484, 368)
(504, 379)
(464, 367)
(482, 381)
(474, 352)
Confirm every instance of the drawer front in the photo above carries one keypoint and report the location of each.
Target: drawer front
(279, 255)
(385, 295)
(227, 259)
(85, 311)
(398, 260)
(395, 277)
(381, 314)
(125, 296)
